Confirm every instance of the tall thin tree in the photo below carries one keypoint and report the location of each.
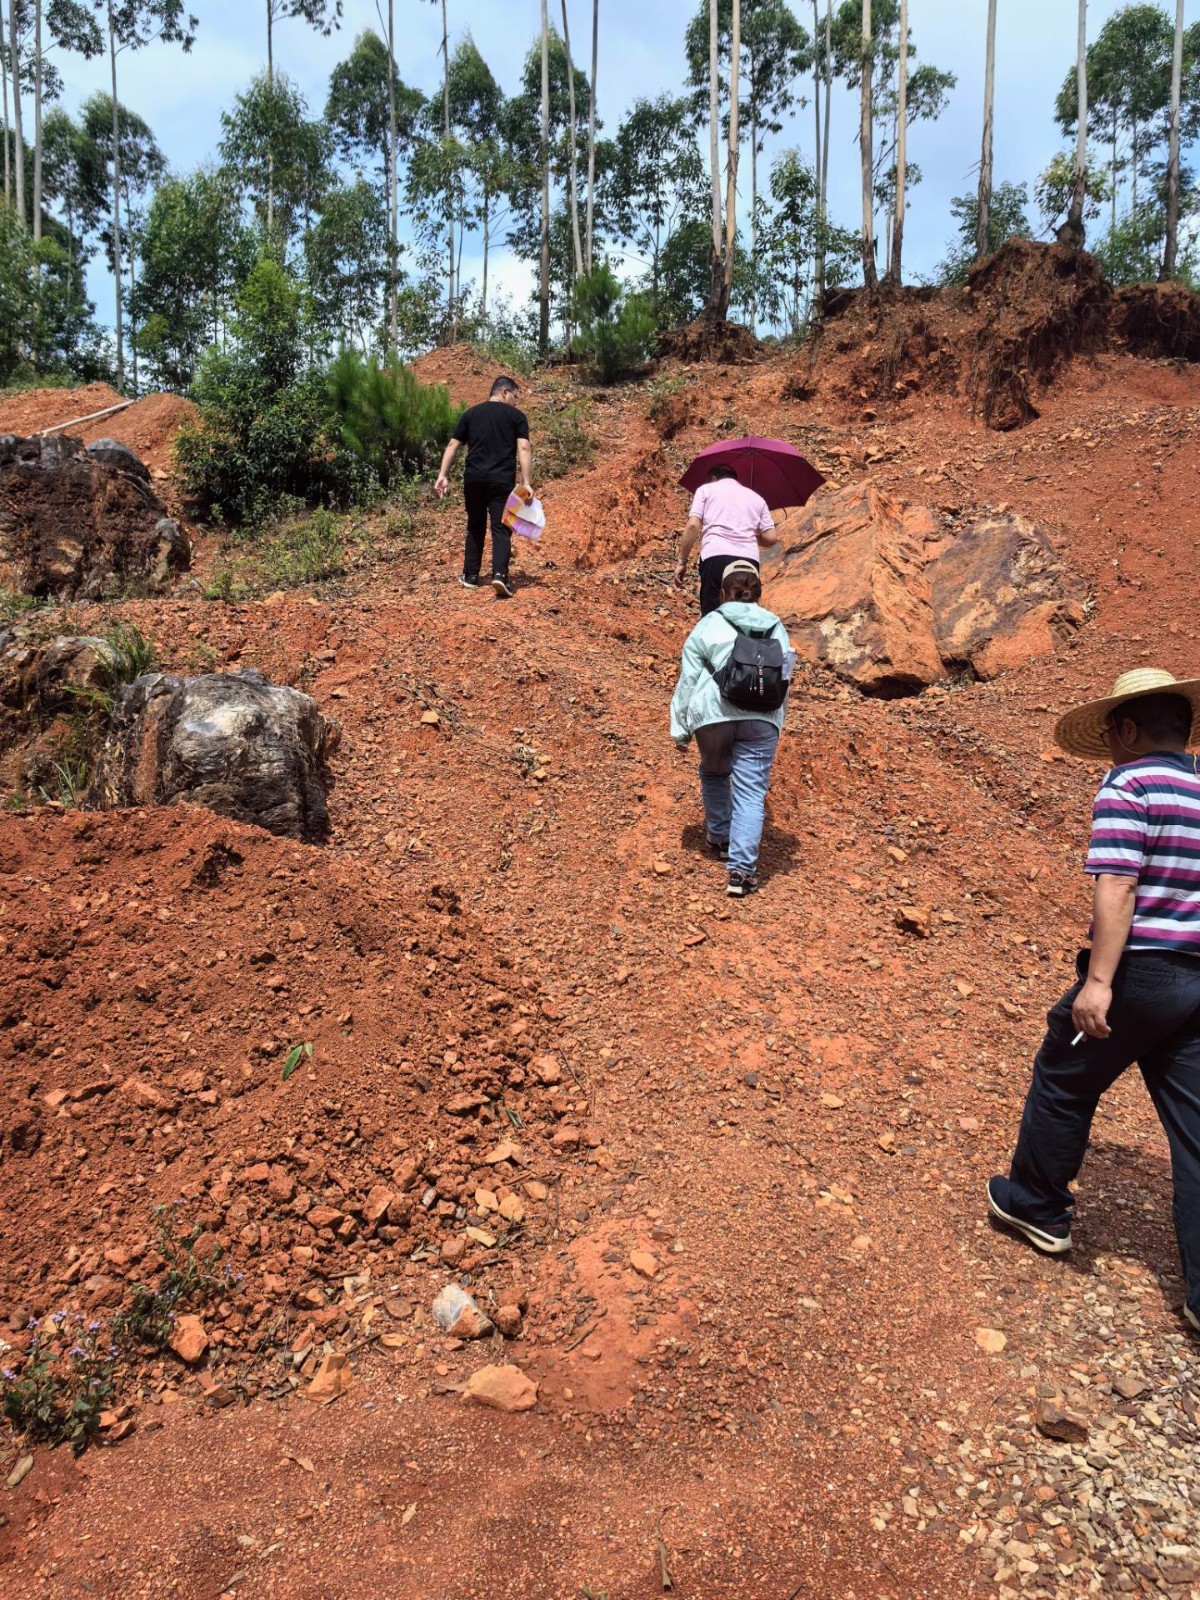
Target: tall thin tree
(1074, 222)
(544, 262)
(897, 242)
(983, 221)
(4, 89)
(870, 277)
(393, 187)
(714, 150)
(823, 171)
(1172, 241)
(37, 118)
(14, 59)
(592, 134)
(452, 290)
(574, 168)
(731, 165)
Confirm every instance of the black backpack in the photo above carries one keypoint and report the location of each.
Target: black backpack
(752, 679)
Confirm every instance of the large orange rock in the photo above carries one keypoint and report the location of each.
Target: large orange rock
(1000, 594)
(851, 588)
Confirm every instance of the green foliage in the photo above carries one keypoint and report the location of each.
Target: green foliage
(297, 1054)
(64, 1383)
(789, 231)
(1132, 251)
(657, 183)
(565, 444)
(1056, 184)
(276, 154)
(134, 654)
(266, 428)
(308, 551)
(14, 603)
(345, 256)
(149, 1319)
(1008, 217)
(615, 327)
(390, 420)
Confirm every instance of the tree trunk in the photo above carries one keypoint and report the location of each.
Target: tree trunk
(544, 272)
(717, 271)
(132, 316)
(37, 120)
(870, 278)
(1115, 135)
(116, 195)
(14, 56)
(731, 165)
(983, 223)
(592, 133)
(271, 81)
(486, 241)
(393, 187)
(1133, 155)
(1172, 241)
(4, 88)
(753, 218)
(894, 263)
(574, 172)
(817, 242)
(451, 313)
(823, 184)
(1075, 214)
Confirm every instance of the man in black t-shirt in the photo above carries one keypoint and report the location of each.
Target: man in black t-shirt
(496, 434)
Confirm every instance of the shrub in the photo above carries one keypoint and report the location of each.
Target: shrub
(392, 422)
(64, 1384)
(266, 427)
(615, 327)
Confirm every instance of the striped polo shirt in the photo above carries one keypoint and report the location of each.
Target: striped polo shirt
(1146, 825)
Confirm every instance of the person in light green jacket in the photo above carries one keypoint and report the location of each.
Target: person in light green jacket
(737, 747)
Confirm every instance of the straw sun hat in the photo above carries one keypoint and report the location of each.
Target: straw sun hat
(1082, 731)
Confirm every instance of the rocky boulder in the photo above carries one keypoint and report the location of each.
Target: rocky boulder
(849, 583)
(233, 742)
(893, 601)
(1000, 595)
(43, 684)
(82, 523)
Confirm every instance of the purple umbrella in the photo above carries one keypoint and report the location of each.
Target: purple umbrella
(771, 467)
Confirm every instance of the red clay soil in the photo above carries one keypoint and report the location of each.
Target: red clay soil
(790, 1105)
(148, 426)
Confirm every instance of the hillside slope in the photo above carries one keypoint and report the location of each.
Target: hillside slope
(791, 1104)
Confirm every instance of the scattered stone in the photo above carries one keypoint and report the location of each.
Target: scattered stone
(19, 1473)
(990, 1340)
(643, 1263)
(331, 1379)
(1057, 1422)
(504, 1388)
(189, 1339)
(508, 1320)
(1128, 1385)
(457, 1314)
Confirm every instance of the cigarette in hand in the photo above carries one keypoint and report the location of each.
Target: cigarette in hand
(1077, 1038)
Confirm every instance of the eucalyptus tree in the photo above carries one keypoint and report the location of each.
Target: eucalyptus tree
(984, 203)
(1171, 245)
(131, 25)
(657, 183)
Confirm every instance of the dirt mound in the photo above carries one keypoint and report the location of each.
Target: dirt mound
(727, 343)
(1024, 313)
(27, 411)
(1158, 319)
(419, 1083)
(467, 374)
(148, 426)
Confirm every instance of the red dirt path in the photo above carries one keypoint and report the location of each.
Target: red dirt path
(793, 1104)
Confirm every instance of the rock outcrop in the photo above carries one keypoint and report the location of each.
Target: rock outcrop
(233, 742)
(892, 601)
(851, 587)
(44, 683)
(83, 523)
(1000, 595)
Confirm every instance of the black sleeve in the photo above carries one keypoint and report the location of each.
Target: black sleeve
(460, 428)
(522, 425)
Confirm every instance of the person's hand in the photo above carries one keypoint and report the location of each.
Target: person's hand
(680, 572)
(682, 745)
(442, 486)
(1090, 1011)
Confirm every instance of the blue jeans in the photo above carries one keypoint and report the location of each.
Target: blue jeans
(735, 771)
(1155, 1021)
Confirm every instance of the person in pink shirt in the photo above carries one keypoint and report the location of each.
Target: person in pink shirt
(732, 523)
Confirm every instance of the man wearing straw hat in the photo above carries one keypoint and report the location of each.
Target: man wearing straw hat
(1138, 994)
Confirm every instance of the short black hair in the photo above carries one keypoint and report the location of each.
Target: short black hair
(504, 385)
(721, 472)
(1158, 716)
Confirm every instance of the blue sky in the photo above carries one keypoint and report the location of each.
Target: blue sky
(641, 53)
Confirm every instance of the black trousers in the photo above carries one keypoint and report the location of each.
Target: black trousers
(711, 569)
(1155, 1021)
(484, 501)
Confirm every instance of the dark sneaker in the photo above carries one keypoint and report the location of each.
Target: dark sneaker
(1192, 1317)
(504, 589)
(719, 847)
(1050, 1241)
(468, 583)
(741, 884)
